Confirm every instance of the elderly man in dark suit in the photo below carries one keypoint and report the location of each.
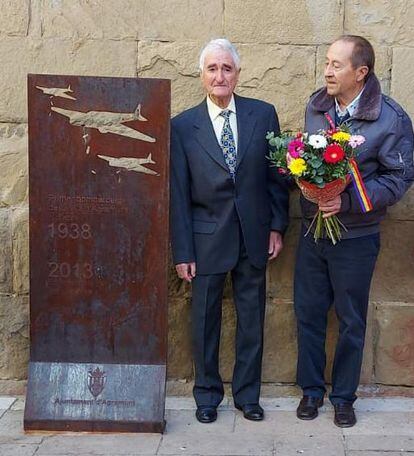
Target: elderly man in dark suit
(229, 211)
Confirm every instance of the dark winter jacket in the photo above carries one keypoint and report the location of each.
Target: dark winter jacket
(385, 159)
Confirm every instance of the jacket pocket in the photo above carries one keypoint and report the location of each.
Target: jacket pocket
(199, 226)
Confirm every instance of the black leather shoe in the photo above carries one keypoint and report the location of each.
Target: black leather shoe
(308, 407)
(251, 412)
(344, 415)
(206, 413)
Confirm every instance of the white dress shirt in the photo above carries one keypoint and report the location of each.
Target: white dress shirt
(351, 108)
(218, 121)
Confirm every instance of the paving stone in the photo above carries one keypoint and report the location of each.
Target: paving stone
(11, 430)
(382, 423)
(18, 404)
(6, 402)
(310, 445)
(286, 423)
(184, 422)
(380, 442)
(377, 453)
(202, 442)
(18, 450)
(123, 444)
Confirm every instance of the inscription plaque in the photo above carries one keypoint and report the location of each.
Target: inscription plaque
(98, 176)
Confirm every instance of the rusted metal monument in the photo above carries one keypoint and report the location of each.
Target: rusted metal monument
(98, 163)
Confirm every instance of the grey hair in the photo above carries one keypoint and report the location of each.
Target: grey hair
(221, 44)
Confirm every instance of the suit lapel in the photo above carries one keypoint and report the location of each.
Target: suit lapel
(246, 123)
(206, 136)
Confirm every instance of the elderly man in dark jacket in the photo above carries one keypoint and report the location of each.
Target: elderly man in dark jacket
(341, 274)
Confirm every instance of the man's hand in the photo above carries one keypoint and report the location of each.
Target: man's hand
(186, 271)
(330, 207)
(275, 244)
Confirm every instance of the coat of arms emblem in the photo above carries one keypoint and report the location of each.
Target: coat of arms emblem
(96, 381)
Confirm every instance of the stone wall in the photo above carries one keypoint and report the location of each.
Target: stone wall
(282, 44)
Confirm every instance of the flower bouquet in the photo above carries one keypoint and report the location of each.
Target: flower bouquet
(322, 166)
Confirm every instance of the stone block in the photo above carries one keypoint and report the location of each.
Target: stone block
(177, 288)
(404, 209)
(280, 346)
(380, 20)
(393, 276)
(14, 18)
(119, 444)
(394, 350)
(6, 252)
(20, 230)
(294, 22)
(13, 167)
(22, 56)
(14, 336)
(180, 358)
(310, 445)
(133, 19)
(383, 64)
(402, 81)
(281, 75)
(380, 443)
(281, 270)
(175, 61)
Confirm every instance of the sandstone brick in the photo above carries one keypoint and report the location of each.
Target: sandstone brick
(280, 346)
(380, 20)
(294, 22)
(394, 351)
(180, 360)
(175, 61)
(280, 271)
(133, 19)
(14, 18)
(6, 259)
(14, 336)
(22, 56)
(404, 209)
(402, 82)
(13, 167)
(20, 228)
(393, 277)
(281, 75)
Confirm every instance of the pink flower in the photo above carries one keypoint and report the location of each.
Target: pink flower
(356, 140)
(295, 147)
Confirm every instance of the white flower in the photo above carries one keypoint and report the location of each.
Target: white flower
(317, 141)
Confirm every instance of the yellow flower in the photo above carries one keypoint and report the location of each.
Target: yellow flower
(341, 136)
(297, 166)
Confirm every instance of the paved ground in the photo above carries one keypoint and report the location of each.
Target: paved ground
(385, 428)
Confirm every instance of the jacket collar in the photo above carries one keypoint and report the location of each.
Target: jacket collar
(369, 107)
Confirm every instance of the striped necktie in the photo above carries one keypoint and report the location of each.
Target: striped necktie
(228, 144)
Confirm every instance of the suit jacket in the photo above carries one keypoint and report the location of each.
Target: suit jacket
(209, 211)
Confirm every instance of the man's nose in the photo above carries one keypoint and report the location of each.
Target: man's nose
(220, 75)
(328, 70)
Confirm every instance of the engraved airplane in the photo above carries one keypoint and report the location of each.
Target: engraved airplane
(107, 122)
(131, 163)
(57, 92)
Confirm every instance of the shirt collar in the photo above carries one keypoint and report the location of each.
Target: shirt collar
(351, 108)
(215, 110)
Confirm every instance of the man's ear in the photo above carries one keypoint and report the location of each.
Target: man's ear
(362, 72)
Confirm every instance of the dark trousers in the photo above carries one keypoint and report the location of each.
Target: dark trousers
(249, 285)
(327, 274)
